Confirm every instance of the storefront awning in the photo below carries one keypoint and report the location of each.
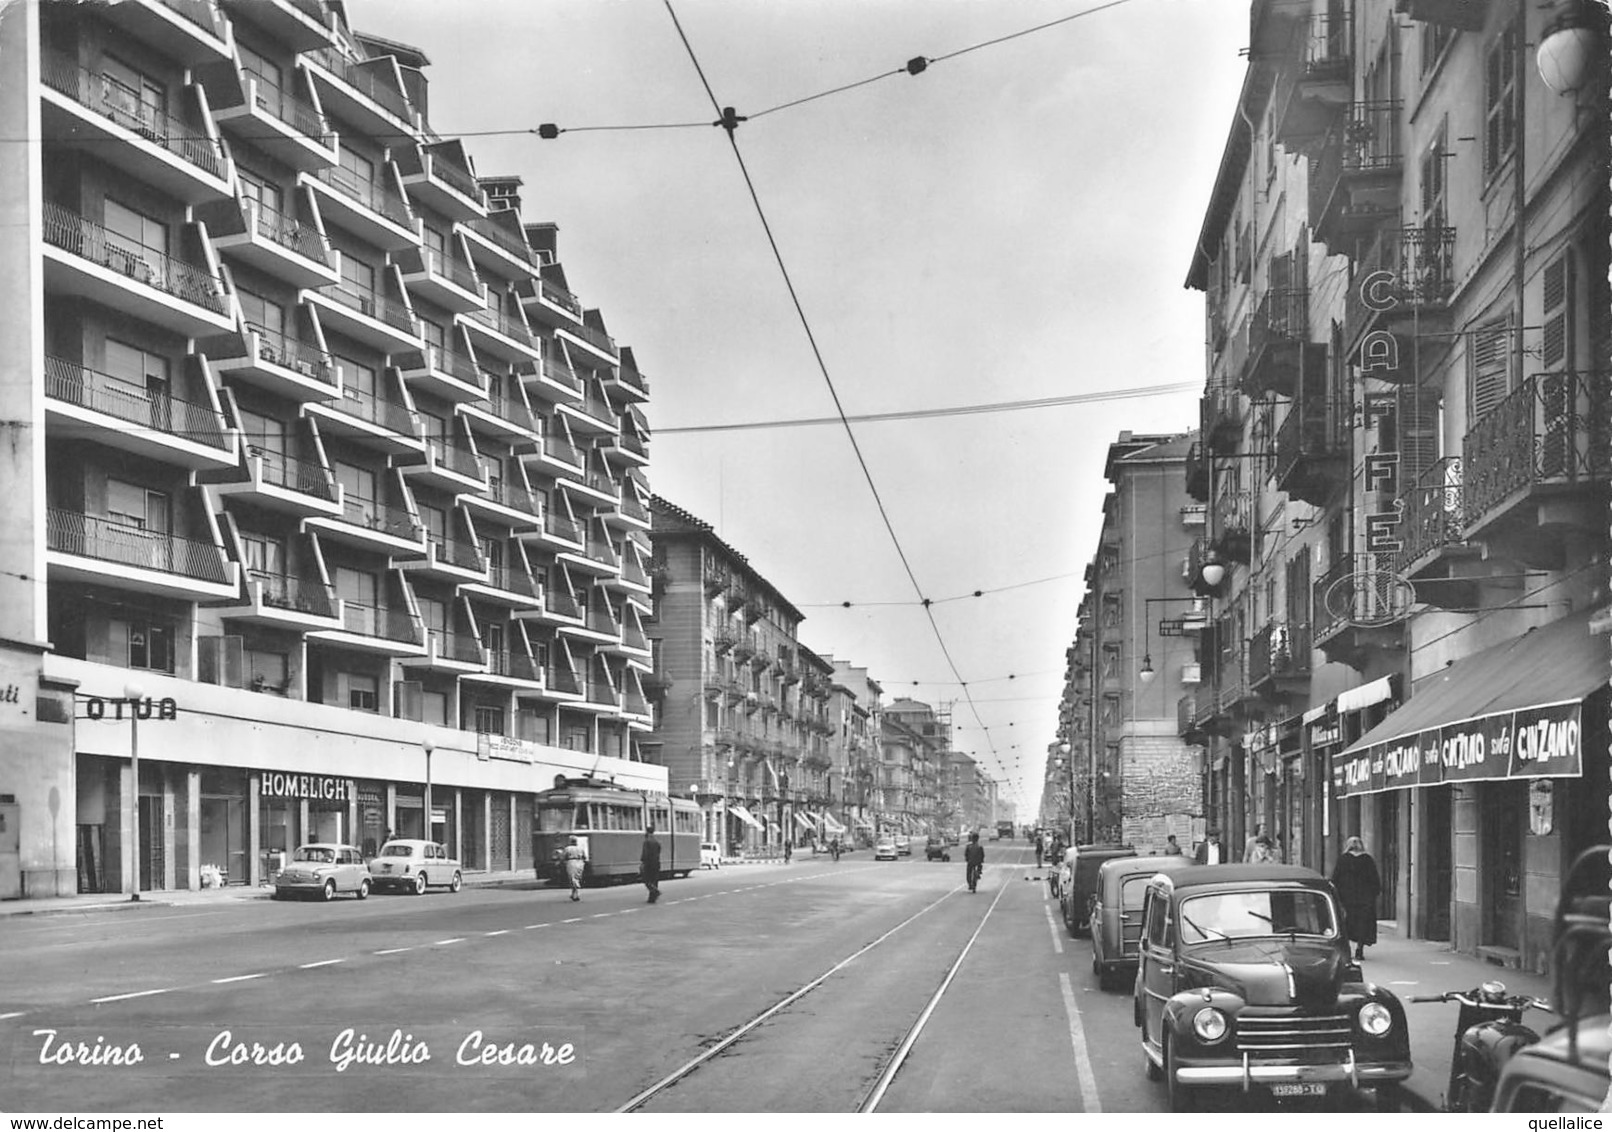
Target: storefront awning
(1511, 711)
(743, 815)
(832, 826)
(863, 823)
(805, 822)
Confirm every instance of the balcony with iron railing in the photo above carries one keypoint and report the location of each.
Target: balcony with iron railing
(163, 422)
(381, 519)
(1409, 273)
(116, 102)
(513, 579)
(555, 295)
(1279, 658)
(560, 602)
(506, 241)
(293, 593)
(1356, 174)
(447, 372)
(190, 32)
(441, 278)
(364, 81)
(1280, 355)
(372, 208)
(127, 275)
(107, 540)
(394, 416)
(384, 323)
(1432, 519)
(382, 623)
(1221, 418)
(1233, 527)
(292, 473)
(281, 123)
(510, 494)
(1312, 450)
(1314, 82)
(433, 174)
(1357, 607)
(563, 678)
(277, 348)
(514, 666)
(559, 524)
(1537, 464)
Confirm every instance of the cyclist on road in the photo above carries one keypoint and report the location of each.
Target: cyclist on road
(974, 860)
(834, 848)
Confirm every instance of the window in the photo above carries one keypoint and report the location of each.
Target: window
(264, 553)
(1434, 159)
(1500, 101)
(489, 720)
(358, 278)
(434, 708)
(261, 190)
(139, 376)
(267, 671)
(264, 435)
(1436, 39)
(260, 67)
(1557, 299)
(265, 315)
(142, 643)
(135, 506)
(358, 587)
(135, 99)
(1490, 367)
(492, 637)
(362, 691)
(134, 232)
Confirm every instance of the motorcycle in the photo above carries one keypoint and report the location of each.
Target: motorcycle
(1488, 1031)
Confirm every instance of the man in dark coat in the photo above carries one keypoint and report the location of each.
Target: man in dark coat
(1359, 885)
(649, 864)
(973, 860)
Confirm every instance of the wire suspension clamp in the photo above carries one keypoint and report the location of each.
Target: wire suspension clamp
(730, 120)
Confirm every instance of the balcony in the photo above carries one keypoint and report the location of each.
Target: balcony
(1358, 606)
(449, 652)
(271, 241)
(382, 424)
(84, 108)
(556, 456)
(628, 512)
(84, 259)
(597, 623)
(191, 32)
(1313, 90)
(450, 374)
(559, 532)
(368, 93)
(1463, 15)
(436, 176)
(302, 25)
(282, 125)
(1197, 471)
(1356, 176)
(554, 380)
(385, 324)
(370, 210)
(1409, 273)
(448, 560)
(1435, 556)
(372, 526)
(1221, 417)
(596, 558)
(591, 416)
(500, 248)
(1312, 450)
(508, 584)
(288, 367)
(599, 346)
(441, 279)
(381, 630)
(550, 303)
(1537, 466)
(449, 465)
(284, 484)
(560, 603)
(286, 601)
(500, 333)
(509, 669)
(1233, 532)
(593, 490)
(99, 551)
(1279, 660)
(82, 402)
(1281, 357)
(625, 381)
(504, 414)
(563, 682)
(508, 502)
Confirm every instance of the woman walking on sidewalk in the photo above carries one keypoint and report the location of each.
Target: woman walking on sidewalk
(1359, 885)
(576, 861)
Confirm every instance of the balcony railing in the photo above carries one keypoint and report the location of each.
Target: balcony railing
(458, 553)
(278, 348)
(1420, 264)
(450, 174)
(505, 323)
(91, 536)
(443, 360)
(203, 13)
(1554, 429)
(288, 591)
(375, 197)
(598, 338)
(496, 233)
(453, 645)
(276, 227)
(387, 624)
(508, 407)
(562, 526)
(365, 82)
(560, 602)
(1359, 589)
(562, 678)
(1279, 650)
(513, 495)
(154, 268)
(560, 297)
(557, 370)
(512, 579)
(378, 517)
(123, 105)
(431, 261)
(516, 665)
(370, 305)
(79, 385)
(1366, 143)
(290, 110)
(1433, 516)
(302, 476)
(456, 458)
(558, 448)
(376, 410)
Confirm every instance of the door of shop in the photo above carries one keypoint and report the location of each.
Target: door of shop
(1387, 849)
(1436, 814)
(1502, 812)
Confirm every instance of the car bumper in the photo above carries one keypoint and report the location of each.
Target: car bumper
(398, 880)
(1249, 1073)
(287, 887)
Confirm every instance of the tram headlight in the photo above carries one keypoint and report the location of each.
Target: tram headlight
(1375, 1019)
(1209, 1024)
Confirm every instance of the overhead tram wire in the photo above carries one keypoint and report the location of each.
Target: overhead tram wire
(729, 121)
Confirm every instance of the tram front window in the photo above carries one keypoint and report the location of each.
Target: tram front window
(554, 819)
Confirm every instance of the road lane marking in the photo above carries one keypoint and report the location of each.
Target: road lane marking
(529, 927)
(13, 1014)
(445, 942)
(321, 963)
(1077, 1035)
(501, 931)
(393, 951)
(241, 978)
(572, 920)
(601, 915)
(132, 994)
(1057, 940)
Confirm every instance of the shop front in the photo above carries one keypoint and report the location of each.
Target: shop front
(1499, 765)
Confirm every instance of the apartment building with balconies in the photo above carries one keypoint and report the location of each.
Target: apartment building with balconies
(286, 472)
(1425, 457)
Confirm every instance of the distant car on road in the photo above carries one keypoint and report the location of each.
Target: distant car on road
(885, 849)
(937, 849)
(414, 866)
(323, 869)
(710, 855)
(903, 845)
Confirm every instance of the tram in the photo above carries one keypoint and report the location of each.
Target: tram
(609, 822)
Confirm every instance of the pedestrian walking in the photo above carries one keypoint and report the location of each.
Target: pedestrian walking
(1359, 886)
(789, 851)
(973, 861)
(1253, 841)
(1263, 852)
(1172, 847)
(649, 864)
(576, 863)
(1040, 849)
(1210, 851)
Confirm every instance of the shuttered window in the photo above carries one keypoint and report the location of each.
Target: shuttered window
(1558, 287)
(1490, 367)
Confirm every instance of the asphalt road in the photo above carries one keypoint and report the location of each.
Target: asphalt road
(812, 987)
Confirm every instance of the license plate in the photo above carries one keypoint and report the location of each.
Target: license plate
(1310, 1089)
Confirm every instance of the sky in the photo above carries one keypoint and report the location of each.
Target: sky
(1014, 223)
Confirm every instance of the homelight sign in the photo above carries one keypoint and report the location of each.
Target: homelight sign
(1536, 742)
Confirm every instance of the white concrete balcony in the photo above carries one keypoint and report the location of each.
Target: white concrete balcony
(510, 585)
(450, 653)
(499, 249)
(510, 669)
(367, 93)
(373, 211)
(384, 631)
(288, 485)
(375, 527)
(132, 417)
(447, 560)
(500, 334)
(282, 125)
(99, 551)
(381, 424)
(506, 503)
(450, 374)
(286, 601)
(433, 175)
(191, 32)
(591, 416)
(504, 415)
(384, 323)
(293, 251)
(441, 279)
(449, 465)
(293, 368)
(553, 381)
(302, 25)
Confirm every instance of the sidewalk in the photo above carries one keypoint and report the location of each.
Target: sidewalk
(1410, 967)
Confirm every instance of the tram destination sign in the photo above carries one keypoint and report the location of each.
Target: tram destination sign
(1538, 742)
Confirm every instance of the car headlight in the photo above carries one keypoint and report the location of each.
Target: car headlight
(1375, 1019)
(1209, 1024)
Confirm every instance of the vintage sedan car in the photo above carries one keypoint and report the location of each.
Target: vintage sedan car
(903, 844)
(323, 869)
(413, 866)
(1078, 881)
(1115, 921)
(1565, 1071)
(1245, 981)
(710, 855)
(885, 849)
(936, 849)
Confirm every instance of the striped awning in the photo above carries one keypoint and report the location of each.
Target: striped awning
(744, 815)
(805, 821)
(831, 825)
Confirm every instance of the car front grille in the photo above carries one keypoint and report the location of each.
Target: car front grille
(1292, 1035)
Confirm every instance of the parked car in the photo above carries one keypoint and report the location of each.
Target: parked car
(1115, 921)
(1077, 882)
(413, 866)
(937, 849)
(1245, 981)
(710, 855)
(903, 844)
(885, 849)
(323, 869)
